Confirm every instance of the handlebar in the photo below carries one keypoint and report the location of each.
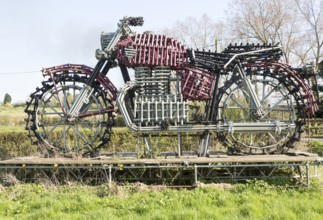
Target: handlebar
(249, 53)
(132, 21)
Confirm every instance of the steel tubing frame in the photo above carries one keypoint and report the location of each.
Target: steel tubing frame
(230, 128)
(155, 173)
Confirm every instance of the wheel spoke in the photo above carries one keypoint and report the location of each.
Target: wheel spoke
(81, 136)
(54, 126)
(61, 114)
(65, 101)
(272, 137)
(63, 134)
(267, 89)
(239, 105)
(273, 107)
(268, 94)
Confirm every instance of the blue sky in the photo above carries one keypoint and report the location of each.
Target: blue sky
(36, 34)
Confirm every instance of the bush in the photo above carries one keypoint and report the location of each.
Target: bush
(119, 122)
(316, 147)
(15, 144)
(19, 104)
(7, 99)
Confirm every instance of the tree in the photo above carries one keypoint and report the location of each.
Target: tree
(312, 12)
(320, 67)
(264, 21)
(7, 99)
(197, 33)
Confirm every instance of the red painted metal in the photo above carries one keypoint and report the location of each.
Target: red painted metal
(197, 84)
(67, 68)
(158, 50)
(108, 86)
(304, 91)
(152, 50)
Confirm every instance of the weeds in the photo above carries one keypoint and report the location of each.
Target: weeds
(254, 200)
(15, 144)
(316, 147)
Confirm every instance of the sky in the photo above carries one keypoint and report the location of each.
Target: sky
(35, 34)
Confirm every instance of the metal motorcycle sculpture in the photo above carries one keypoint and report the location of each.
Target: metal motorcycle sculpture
(244, 94)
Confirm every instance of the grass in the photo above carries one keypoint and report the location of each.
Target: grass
(12, 109)
(12, 116)
(255, 200)
(316, 147)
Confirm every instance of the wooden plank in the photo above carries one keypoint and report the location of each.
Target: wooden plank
(162, 161)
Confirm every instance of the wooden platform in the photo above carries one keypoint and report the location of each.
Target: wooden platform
(225, 159)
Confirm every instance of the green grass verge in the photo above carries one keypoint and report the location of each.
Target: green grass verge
(255, 200)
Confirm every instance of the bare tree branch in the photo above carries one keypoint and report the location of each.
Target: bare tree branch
(272, 21)
(197, 33)
(311, 11)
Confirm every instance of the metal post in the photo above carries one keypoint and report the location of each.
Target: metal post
(307, 174)
(235, 173)
(147, 147)
(179, 150)
(138, 146)
(216, 44)
(195, 174)
(110, 176)
(205, 144)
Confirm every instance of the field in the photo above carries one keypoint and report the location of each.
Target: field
(12, 117)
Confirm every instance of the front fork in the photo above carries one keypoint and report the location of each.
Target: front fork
(255, 104)
(81, 100)
(102, 67)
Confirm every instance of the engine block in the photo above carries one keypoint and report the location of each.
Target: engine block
(158, 99)
(153, 82)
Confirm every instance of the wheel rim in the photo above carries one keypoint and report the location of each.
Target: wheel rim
(57, 131)
(277, 104)
(50, 124)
